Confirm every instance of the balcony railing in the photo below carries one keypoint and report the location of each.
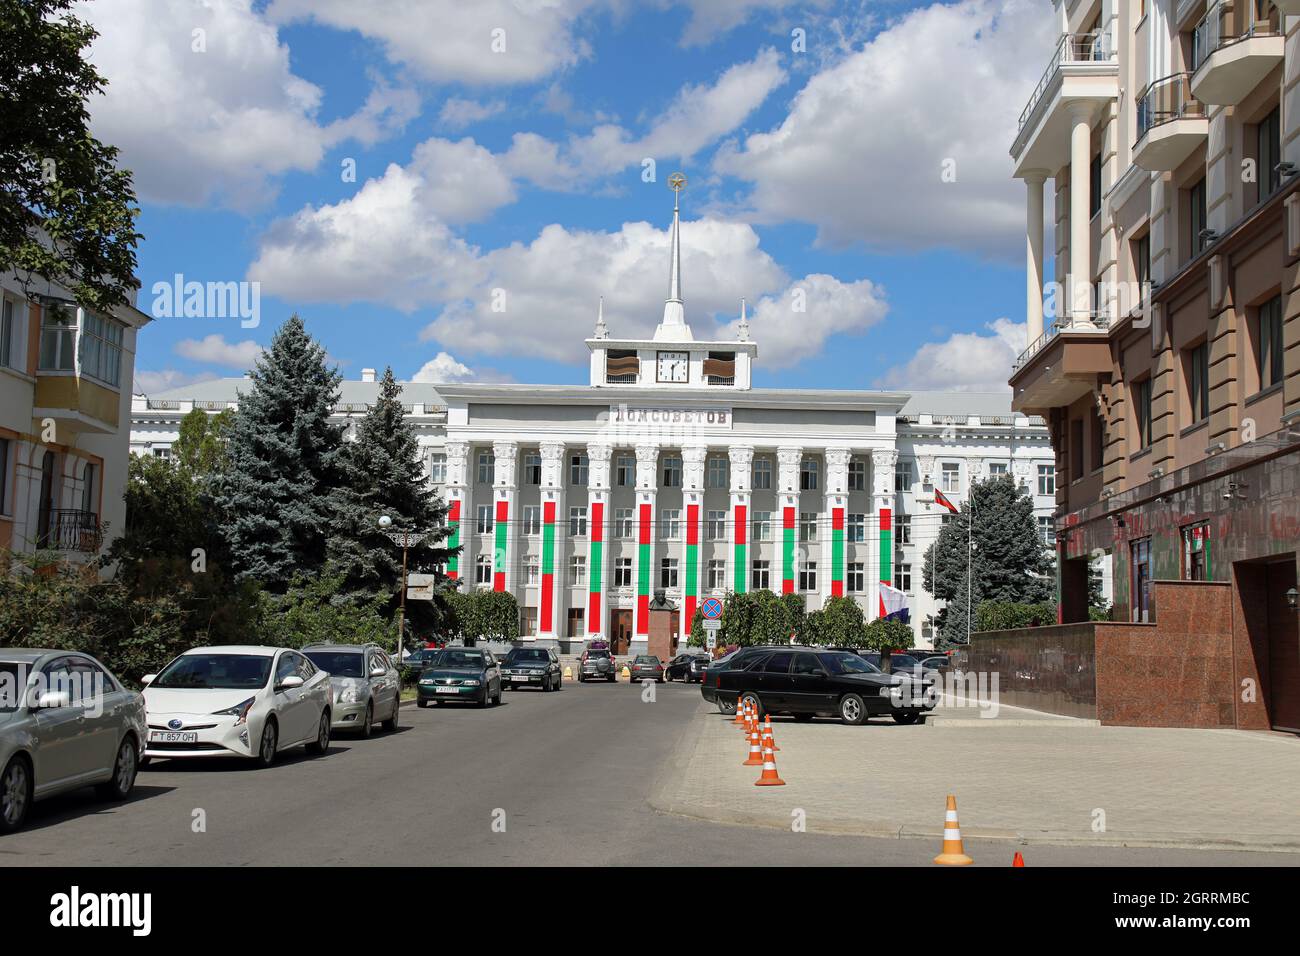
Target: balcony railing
(1166, 100)
(1072, 48)
(1216, 31)
(625, 379)
(1089, 322)
(69, 530)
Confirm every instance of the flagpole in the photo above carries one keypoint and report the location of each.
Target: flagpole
(970, 550)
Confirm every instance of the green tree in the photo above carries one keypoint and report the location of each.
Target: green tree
(840, 623)
(278, 497)
(306, 614)
(485, 616)
(201, 445)
(67, 213)
(883, 635)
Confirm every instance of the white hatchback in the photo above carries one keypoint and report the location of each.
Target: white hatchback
(237, 701)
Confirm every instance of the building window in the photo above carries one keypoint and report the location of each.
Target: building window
(625, 472)
(578, 470)
(1141, 247)
(1141, 563)
(534, 568)
(58, 339)
(1098, 441)
(532, 519)
(437, 469)
(577, 521)
(623, 572)
(808, 474)
(762, 474)
(576, 619)
(762, 526)
(668, 573)
(1076, 449)
(7, 351)
(1047, 479)
(902, 475)
(760, 576)
(1047, 529)
(1196, 366)
(483, 569)
(1196, 552)
(1142, 412)
(807, 526)
(717, 528)
(715, 475)
(808, 576)
(4, 476)
(857, 527)
(720, 368)
(857, 577)
(162, 451)
(950, 477)
(672, 472)
(1094, 186)
(670, 523)
(717, 575)
(997, 469)
(857, 474)
(903, 528)
(577, 569)
(528, 620)
(486, 467)
(1268, 150)
(484, 524)
(1196, 218)
(622, 367)
(623, 520)
(1269, 352)
(532, 468)
(903, 578)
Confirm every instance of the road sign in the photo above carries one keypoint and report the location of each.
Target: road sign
(712, 625)
(419, 587)
(711, 609)
(712, 639)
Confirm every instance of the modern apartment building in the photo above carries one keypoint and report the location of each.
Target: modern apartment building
(1164, 347)
(65, 404)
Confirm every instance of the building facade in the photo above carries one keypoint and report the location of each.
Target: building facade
(1163, 352)
(65, 399)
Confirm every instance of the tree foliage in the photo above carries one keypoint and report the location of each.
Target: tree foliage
(67, 213)
(200, 446)
(485, 615)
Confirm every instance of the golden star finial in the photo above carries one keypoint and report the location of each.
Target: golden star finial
(676, 182)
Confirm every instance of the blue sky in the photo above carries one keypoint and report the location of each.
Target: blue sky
(815, 173)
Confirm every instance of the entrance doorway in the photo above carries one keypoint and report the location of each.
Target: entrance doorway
(1274, 633)
(620, 631)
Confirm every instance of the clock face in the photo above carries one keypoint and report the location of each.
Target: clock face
(674, 366)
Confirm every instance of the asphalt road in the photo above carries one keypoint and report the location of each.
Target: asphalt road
(568, 773)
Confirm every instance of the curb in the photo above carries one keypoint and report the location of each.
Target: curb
(1078, 723)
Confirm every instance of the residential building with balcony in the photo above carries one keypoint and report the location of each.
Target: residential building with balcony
(1164, 350)
(65, 402)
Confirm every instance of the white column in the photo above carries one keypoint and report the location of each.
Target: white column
(647, 486)
(504, 494)
(788, 458)
(551, 603)
(598, 523)
(1034, 254)
(460, 517)
(880, 562)
(738, 558)
(1080, 279)
(835, 513)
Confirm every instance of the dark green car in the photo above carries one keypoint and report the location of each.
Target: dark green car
(468, 674)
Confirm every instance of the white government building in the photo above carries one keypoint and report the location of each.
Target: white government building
(669, 470)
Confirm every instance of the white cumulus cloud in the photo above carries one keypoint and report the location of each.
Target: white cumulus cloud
(965, 361)
(215, 350)
(443, 368)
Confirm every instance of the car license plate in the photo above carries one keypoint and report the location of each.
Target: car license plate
(448, 690)
(520, 677)
(171, 737)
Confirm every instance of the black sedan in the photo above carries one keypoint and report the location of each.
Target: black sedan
(459, 673)
(688, 668)
(808, 681)
(532, 667)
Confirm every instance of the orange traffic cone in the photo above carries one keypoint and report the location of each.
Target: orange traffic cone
(767, 732)
(1019, 860)
(740, 714)
(769, 777)
(953, 854)
(755, 758)
(751, 718)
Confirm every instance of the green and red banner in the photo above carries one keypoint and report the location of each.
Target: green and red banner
(740, 522)
(886, 552)
(788, 529)
(692, 591)
(645, 529)
(499, 557)
(548, 568)
(837, 552)
(596, 559)
(453, 539)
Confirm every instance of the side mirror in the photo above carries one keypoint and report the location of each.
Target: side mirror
(148, 679)
(289, 683)
(53, 699)
(378, 672)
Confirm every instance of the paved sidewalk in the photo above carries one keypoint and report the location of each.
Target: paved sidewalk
(1036, 780)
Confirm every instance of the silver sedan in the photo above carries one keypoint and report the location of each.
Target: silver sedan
(367, 687)
(65, 723)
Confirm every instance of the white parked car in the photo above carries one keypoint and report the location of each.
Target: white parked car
(237, 701)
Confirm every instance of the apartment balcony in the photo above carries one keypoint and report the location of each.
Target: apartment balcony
(1171, 124)
(1233, 49)
(1062, 365)
(76, 402)
(1083, 69)
(64, 529)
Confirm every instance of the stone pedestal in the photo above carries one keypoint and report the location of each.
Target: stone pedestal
(661, 640)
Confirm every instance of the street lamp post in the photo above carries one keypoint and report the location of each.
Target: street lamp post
(404, 540)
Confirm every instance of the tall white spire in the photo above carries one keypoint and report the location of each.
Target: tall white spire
(673, 328)
(743, 331)
(602, 330)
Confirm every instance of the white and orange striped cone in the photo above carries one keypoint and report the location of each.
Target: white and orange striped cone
(953, 853)
(767, 732)
(751, 717)
(755, 758)
(769, 778)
(740, 713)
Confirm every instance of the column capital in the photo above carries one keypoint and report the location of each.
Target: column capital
(504, 454)
(598, 455)
(552, 450)
(742, 463)
(1081, 111)
(647, 462)
(693, 458)
(883, 461)
(599, 451)
(552, 464)
(457, 453)
(1035, 177)
(788, 458)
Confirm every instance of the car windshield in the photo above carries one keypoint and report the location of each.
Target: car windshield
(598, 653)
(849, 664)
(339, 663)
(456, 658)
(11, 691)
(645, 659)
(215, 672)
(527, 656)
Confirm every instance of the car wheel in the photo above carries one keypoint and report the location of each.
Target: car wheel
(266, 748)
(15, 794)
(421, 703)
(906, 716)
(804, 718)
(391, 723)
(727, 707)
(118, 787)
(485, 698)
(755, 702)
(368, 720)
(852, 709)
(322, 742)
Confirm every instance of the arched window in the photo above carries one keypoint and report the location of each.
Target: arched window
(45, 508)
(89, 491)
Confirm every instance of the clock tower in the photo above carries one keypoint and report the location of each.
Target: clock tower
(673, 359)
